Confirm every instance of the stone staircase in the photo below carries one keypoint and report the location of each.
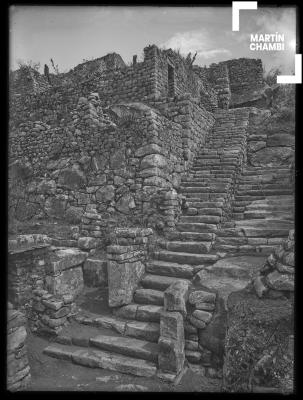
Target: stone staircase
(208, 190)
(127, 340)
(263, 212)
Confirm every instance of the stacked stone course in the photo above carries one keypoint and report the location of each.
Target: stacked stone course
(50, 313)
(18, 369)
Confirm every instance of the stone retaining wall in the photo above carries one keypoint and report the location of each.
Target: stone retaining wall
(18, 369)
(27, 259)
(50, 313)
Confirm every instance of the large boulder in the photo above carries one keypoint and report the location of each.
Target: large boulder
(126, 203)
(123, 279)
(105, 194)
(72, 178)
(153, 160)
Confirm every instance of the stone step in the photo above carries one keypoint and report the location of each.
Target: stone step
(149, 296)
(214, 184)
(271, 207)
(206, 204)
(252, 214)
(212, 175)
(213, 168)
(248, 198)
(263, 192)
(208, 219)
(170, 269)
(196, 197)
(215, 163)
(210, 211)
(190, 236)
(206, 189)
(263, 186)
(102, 359)
(196, 227)
(189, 247)
(130, 347)
(158, 282)
(238, 267)
(185, 258)
(141, 330)
(139, 312)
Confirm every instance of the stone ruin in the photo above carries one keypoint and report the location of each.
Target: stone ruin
(166, 184)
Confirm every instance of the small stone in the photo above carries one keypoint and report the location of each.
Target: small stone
(171, 326)
(285, 269)
(191, 345)
(67, 298)
(53, 304)
(175, 297)
(202, 315)
(189, 327)
(259, 286)
(131, 388)
(278, 281)
(193, 356)
(289, 259)
(197, 322)
(200, 296)
(205, 306)
(88, 243)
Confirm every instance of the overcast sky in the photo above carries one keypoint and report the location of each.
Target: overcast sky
(70, 34)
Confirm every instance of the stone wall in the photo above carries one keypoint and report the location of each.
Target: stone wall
(44, 281)
(27, 259)
(124, 170)
(236, 81)
(18, 369)
(115, 82)
(50, 313)
(271, 140)
(218, 74)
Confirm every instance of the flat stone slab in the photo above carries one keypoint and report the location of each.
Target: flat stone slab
(64, 259)
(265, 227)
(149, 296)
(143, 330)
(159, 282)
(170, 269)
(101, 359)
(127, 346)
(148, 313)
(243, 267)
(222, 285)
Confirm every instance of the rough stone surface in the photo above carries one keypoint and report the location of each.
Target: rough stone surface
(122, 281)
(175, 297)
(17, 366)
(95, 272)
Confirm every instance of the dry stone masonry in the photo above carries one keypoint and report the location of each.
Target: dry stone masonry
(164, 185)
(18, 370)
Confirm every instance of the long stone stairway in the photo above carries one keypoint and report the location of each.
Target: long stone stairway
(129, 342)
(209, 226)
(208, 189)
